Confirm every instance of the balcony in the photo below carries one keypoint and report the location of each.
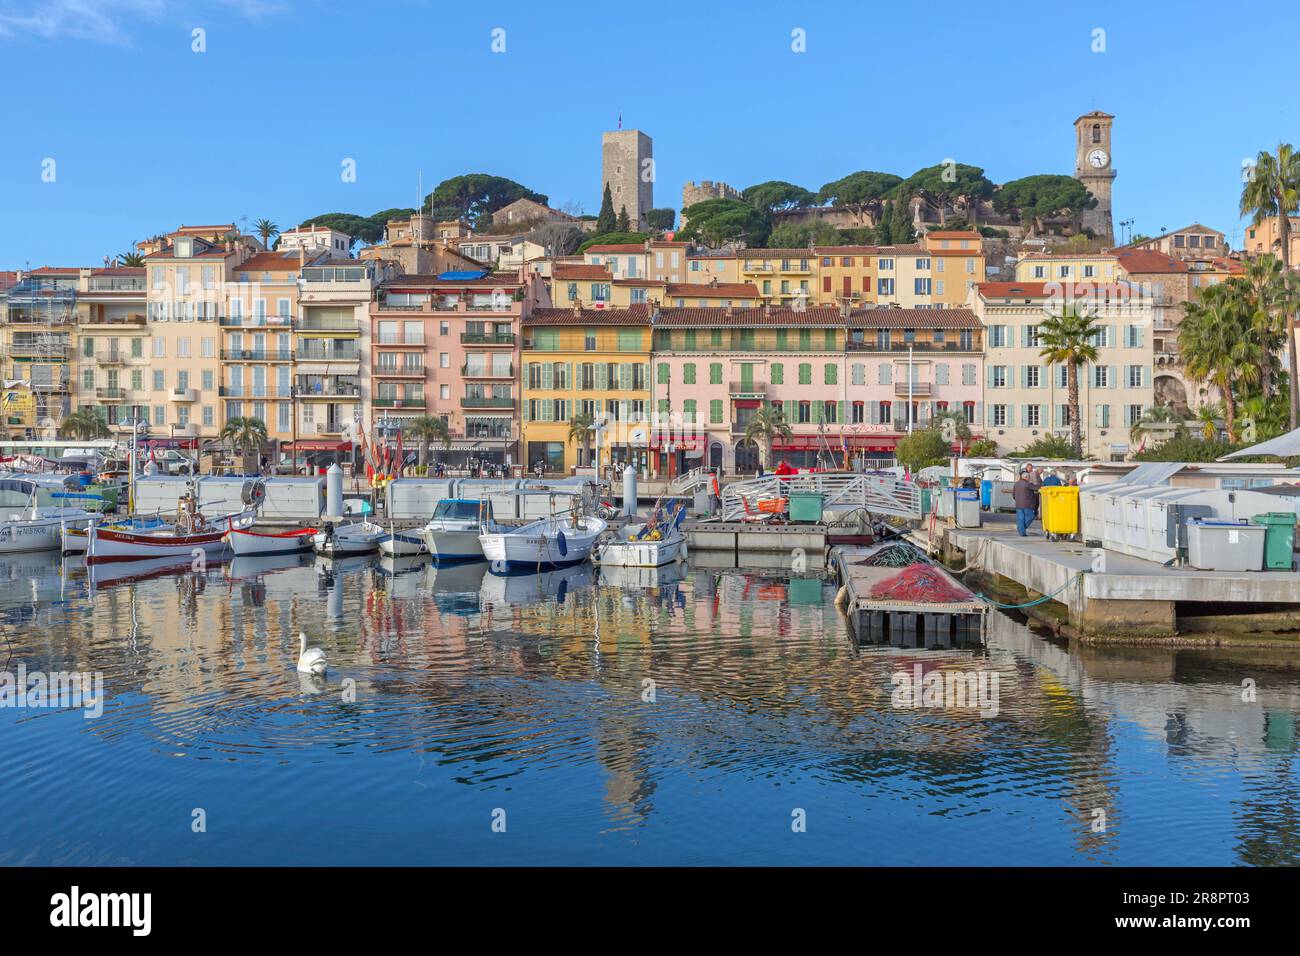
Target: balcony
(136, 320)
(306, 354)
(110, 357)
(914, 346)
(395, 338)
(487, 338)
(487, 371)
(747, 390)
(257, 355)
(757, 267)
(57, 351)
(184, 394)
(329, 428)
(327, 324)
(110, 394)
(402, 371)
(329, 394)
(479, 401)
(382, 402)
(255, 321)
(915, 389)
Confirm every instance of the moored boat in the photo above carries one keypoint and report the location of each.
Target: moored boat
(549, 543)
(178, 541)
(245, 542)
(401, 544)
(347, 540)
(76, 540)
(651, 545)
(25, 526)
(452, 534)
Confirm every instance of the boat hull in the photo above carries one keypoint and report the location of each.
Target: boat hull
(641, 554)
(453, 545)
(348, 542)
(401, 544)
(108, 545)
(41, 534)
(539, 545)
(253, 544)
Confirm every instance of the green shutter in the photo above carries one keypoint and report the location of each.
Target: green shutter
(831, 374)
(778, 374)
(715, 411)
(688, 373)
(688, 410)
(629, 340)
(665, 374)
(805, 373)
(715, 373)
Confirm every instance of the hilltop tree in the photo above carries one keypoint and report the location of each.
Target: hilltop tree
(475, 196)
(558, 238)
(900, 223)
(860, 192)
(624, 221)
(614, 239)
(607, 221)
(803, 235)
(661, 220)
(1034, 199)
(716, 222)
(947, 185)
(778, 196)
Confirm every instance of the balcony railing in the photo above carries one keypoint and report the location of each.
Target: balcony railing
(110, 357)
(327, 324)
(256, 321)
(110, 394)
(487, 338)
(400, 371)
(478, 401)
(487, 371)
(257, 355)
(184, 395)
(395, 338)
(336, 392)
(329, 355)
(916, 389)
(408, 402)
(914, 346)
(747, 388)
(54, 350)
(135, 319)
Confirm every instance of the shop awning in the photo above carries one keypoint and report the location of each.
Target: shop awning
(317, 444)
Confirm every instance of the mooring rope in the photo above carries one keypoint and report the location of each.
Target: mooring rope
(1046, 597)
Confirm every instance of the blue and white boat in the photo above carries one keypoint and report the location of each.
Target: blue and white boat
(549, 543)
(452, 534)
(401, 544)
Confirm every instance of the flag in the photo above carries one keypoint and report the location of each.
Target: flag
(620, 120)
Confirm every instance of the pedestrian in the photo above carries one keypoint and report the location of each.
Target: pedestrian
(1024, 494)
(1050, 480)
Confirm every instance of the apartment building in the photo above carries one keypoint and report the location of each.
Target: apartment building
(704, 265)
(668, 260)
(587, 286)
(1196, 241)
(937, 272)
(40, 321)
(783, 277)
(1266, 236)
(592, 362)
(622, 260)
(905, 366)
(191, 284)
(448, 346)
(714, 367)
(331, 354)
(315, 240)
(113, 353)
(1026, 399)
(1068, 267)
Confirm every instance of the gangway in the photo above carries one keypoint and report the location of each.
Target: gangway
(840, 491)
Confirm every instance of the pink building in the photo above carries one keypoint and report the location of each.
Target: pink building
(448, 346)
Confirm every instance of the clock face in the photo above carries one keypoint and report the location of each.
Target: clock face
(1097, 158)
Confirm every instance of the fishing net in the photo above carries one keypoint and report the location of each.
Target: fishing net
(898, 555)
(921, 583)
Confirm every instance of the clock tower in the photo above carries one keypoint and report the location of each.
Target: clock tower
(1093, 167)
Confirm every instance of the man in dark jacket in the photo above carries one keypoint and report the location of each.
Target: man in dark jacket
(1024, 494)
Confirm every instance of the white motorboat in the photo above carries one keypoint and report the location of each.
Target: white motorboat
(549, 543)
(26, 526)
(247, 543)
(402, 544)
(452, 534)
(345, 541)
(651, 545)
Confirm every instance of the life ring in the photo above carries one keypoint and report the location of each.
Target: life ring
(200, 522)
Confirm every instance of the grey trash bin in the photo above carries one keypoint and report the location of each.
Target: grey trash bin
(1225, 545)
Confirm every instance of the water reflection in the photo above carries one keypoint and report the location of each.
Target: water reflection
(621, 714)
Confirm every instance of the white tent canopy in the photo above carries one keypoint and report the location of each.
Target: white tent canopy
(1283, 446)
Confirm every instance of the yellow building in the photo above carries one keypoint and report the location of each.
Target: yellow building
(937, 272)
(586, 362)
(1102, 267)
(113, 350)
(581, 286)
(1265, 236)
(782, 276)
(706, 266)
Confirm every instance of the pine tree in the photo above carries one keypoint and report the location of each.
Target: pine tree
(624, 222)
(606, 222)
(901, 223)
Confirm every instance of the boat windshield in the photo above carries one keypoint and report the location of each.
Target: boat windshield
(459, 510)
(15, 493)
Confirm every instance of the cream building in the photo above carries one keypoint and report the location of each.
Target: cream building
(1026, 399)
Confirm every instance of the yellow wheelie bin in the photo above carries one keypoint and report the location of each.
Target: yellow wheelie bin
(1060, 506)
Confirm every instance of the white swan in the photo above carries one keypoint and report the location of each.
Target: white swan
(310, 659)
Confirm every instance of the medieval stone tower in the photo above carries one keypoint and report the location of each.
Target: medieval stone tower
(627, 166)
(1093, 166)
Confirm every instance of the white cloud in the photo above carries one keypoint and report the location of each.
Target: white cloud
(110, 21)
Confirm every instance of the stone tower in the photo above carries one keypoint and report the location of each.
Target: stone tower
(1093, 166)
(627, 166)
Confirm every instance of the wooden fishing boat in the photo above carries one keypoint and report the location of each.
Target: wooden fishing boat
(106, 545)
(246, 543)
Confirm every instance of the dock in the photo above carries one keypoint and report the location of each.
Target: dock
(955, 620)
(1102, 595)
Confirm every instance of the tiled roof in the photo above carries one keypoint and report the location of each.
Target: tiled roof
(633, 315)
(623, 247)
(270, 262)
(433, 282)
(55, 271)
(1109, 254)
(666, 244)
(581, 272)
(7, 279)
(754, 255)
(756, 317)
(889, 318)
(1149, 261)
(640, 283)
(707, 290)
(845, 250)
(949, 234)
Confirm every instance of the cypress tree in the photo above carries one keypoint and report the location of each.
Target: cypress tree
(624, 221)
(606, 222)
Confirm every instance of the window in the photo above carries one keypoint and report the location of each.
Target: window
(1137, 376)
(715, 411)
(688, 373)
(830, 411)
(1101, 376)
(922, 264)
(997, 336)
(1033, 416)
(857, 411)
(805, 373)
(777, 373)
(997, 377)
(804, 413)
(921, 286)
(999, 416)
(1033, 376)
(1040, 272)
(884, 286)
(830, 374)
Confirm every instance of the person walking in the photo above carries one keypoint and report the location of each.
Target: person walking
(1024, 494)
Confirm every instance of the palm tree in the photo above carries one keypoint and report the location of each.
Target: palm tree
(1217, 347)
(428, 429)
(767, 425)
(131, 260)
(1273, 189)
(246, 436)
(85, 424)
(580, 426)
(1209, 415)
(266, 229)
(1263, 286)
(1069, 338)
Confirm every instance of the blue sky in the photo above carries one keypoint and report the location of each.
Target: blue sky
(147, 134)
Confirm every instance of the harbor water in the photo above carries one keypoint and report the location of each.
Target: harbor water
(690, 715)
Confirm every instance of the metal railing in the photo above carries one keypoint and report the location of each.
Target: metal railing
(886, 496)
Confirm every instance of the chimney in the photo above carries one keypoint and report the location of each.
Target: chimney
(845, 309)
(302, 256)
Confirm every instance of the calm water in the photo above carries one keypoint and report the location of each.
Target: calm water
(454, 695)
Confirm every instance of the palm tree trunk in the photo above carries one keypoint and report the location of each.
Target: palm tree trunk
(1076, 437)
(1230, 411)
(1284, 231)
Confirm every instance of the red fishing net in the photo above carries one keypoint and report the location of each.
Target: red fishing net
(920, 583)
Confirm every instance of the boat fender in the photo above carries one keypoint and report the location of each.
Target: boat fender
(842, 596)
(562, 544)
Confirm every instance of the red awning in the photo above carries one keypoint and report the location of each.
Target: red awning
(317, 444)
(747, 402)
